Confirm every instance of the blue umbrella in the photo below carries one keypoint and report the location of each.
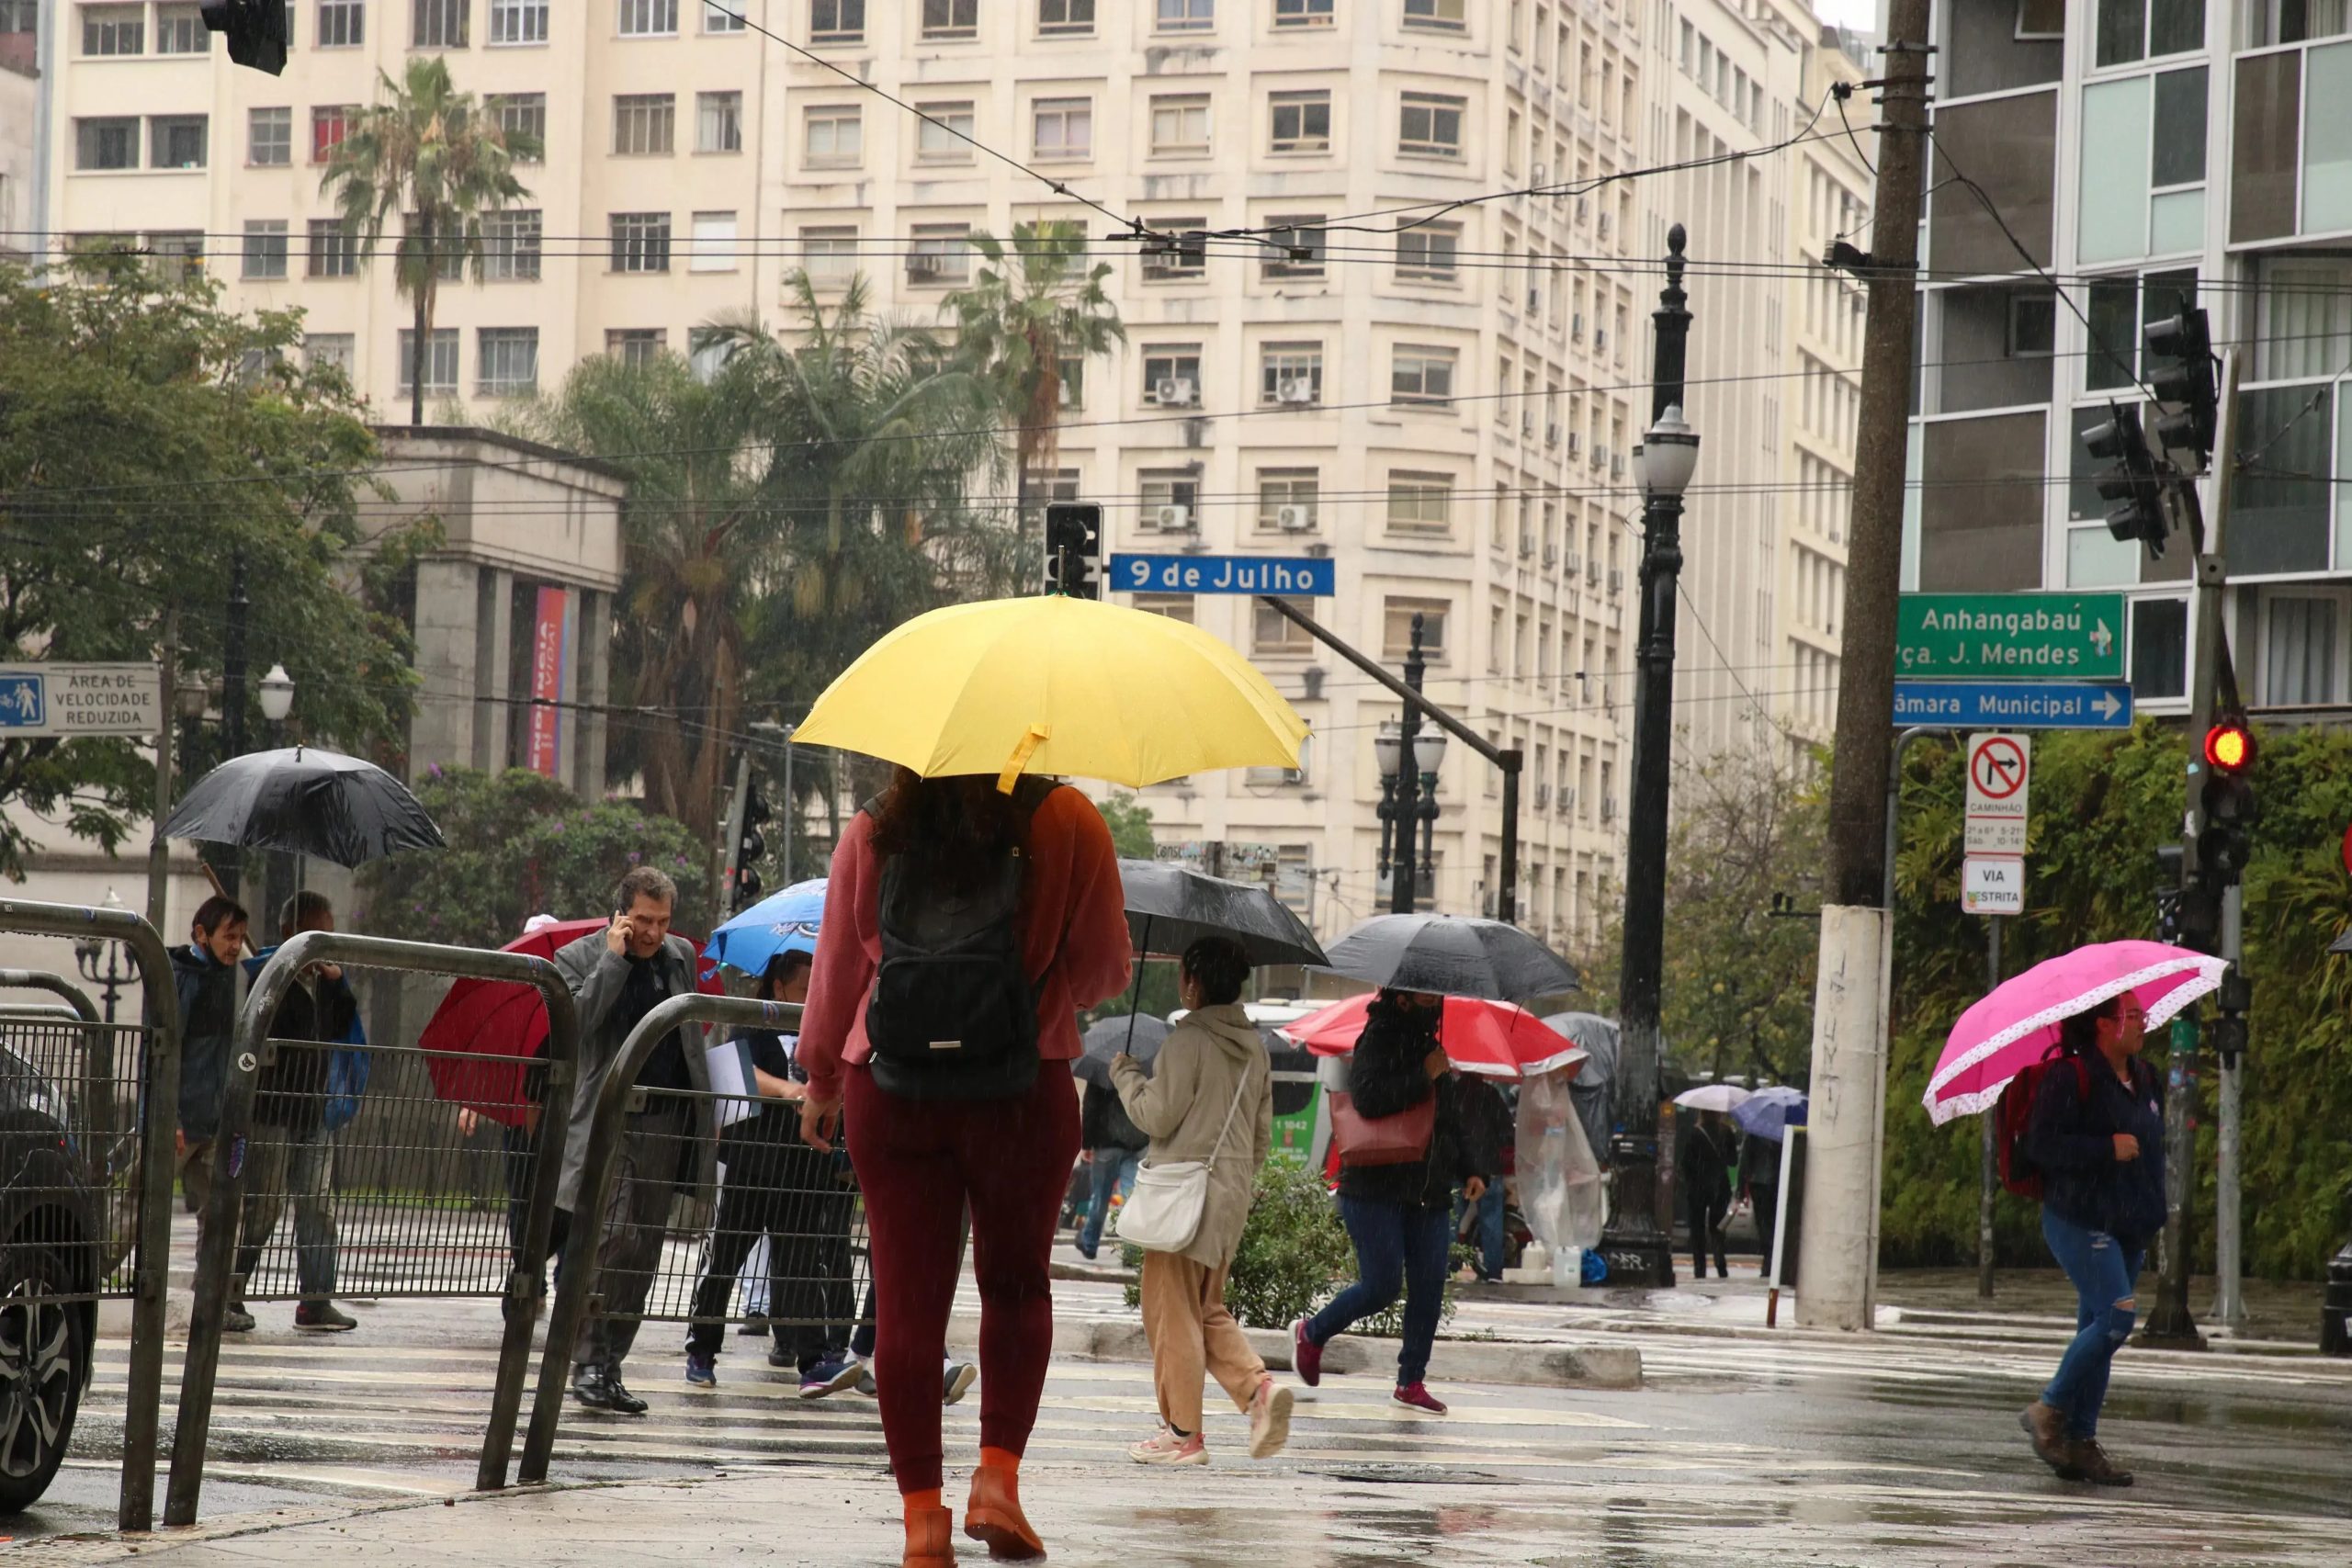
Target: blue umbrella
(1769, 1112)
(782, 922)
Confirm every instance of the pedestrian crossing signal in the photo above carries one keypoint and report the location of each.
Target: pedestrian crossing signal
(1073, 547)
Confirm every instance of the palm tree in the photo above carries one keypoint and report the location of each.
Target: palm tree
(438, 158)
(1018, 323)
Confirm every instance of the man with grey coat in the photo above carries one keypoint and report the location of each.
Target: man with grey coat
(616, 977)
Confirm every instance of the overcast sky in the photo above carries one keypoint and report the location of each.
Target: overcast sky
(1862, 14)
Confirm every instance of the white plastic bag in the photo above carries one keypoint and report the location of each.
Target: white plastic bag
(1559, 1181)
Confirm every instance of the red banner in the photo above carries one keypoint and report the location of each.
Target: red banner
(551, 657)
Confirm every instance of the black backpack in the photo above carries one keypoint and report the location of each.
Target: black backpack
(952, 1015)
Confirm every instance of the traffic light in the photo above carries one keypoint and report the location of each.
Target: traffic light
(2227, 805)
(2132, 480)
(256, 29)
(2186, 343)
(1073, 546)
(748, 848)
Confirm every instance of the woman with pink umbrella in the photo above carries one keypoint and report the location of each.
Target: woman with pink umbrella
(2087, 1138)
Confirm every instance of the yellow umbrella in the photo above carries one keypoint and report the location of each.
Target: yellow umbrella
(1056, 685)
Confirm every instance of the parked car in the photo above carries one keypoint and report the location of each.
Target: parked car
(52, 1246)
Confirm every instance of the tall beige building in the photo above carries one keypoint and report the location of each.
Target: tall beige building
(1775, 357)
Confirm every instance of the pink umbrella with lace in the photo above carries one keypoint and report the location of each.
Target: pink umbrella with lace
(2017, 1023)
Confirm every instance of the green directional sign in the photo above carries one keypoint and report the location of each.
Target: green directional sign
(2069, 637)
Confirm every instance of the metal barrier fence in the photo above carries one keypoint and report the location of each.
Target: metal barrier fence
(619, 1272)
(399, 1227)
(92, 1108)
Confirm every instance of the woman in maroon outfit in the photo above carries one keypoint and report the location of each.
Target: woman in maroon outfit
(921, 1161)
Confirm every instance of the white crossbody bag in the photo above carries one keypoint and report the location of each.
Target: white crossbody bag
(1163, 1213)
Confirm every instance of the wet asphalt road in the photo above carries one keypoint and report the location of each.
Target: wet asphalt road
(1894, 1450)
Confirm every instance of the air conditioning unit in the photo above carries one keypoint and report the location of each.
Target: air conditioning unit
(1298, 389)
(1294, 519)
(1576, 326)
(1527, 422)
(922, 263)
(1575, 441)
(1179, 520)
(1600, 339)
(1592, 574)
(1534, 299)
(1537, 173)
(1608, 808)
(1551, 555)
(1574, 563)
(1542, 798)
(1600, 457)
(1175, 391)
(1526, 545)
(1604, 225)
(1552, 435)
(1584, 209)
(1567, 801)
(1616, 468)
(1616, 577)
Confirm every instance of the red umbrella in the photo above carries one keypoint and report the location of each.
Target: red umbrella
(505, 1025)
(1492, 1039)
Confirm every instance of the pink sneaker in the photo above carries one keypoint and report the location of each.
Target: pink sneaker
(1167, 1448)
(1418, 1396)
(1305, 1355)
(1270, 1419)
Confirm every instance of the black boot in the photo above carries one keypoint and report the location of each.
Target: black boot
(617, 1398)
(588, 1387)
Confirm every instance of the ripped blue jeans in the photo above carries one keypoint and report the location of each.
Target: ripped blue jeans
(2103, 1271)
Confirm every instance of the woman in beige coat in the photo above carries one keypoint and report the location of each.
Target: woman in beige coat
(1212, 1082)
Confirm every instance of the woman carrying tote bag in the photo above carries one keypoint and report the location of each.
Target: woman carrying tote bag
(1209, 1109)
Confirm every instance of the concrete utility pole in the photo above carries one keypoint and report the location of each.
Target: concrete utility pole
(1839, 1254)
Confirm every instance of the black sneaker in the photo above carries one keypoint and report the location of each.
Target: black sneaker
(617, 1398)
(322, 1317)
(236, 1320)
(589, 1388)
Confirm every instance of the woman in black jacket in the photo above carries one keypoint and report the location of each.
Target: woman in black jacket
(2096, 1135)
(1400, 1216)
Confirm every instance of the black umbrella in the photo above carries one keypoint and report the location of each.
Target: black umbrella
(1450, 955)
(1140, 1035)
(306, 802)
(1169, 908)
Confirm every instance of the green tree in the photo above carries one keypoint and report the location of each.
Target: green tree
(521, 844)
(1021, 320)
(440, 160)
(149, 438)
(1129, 820)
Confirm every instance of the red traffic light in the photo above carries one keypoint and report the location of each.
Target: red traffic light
(2229, 748)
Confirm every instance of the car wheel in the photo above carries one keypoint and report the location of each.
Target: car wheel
(43, 1357)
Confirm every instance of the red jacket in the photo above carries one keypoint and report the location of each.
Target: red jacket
(1077, 950)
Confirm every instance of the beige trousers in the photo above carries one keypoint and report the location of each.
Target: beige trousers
(1193, 1335)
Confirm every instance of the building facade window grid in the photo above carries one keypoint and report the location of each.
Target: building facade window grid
(836, 21)
(1291, 373)
(114, 31)
(518, 21)
(440, 360)
(635, 346)
(1185, 16)
(269, 137)
(1299, 122)
(264, 253)
(330, 351)
(835, 136)
(644, 124)
(718, 122)
(648, 18)
(951, 19)
(506, 361)
(333, 249)
(342, 24)
(512, 245)
(1066, 19)
(179, 140)
(522, 114)
(440, 24)
(946, 135)
(1063, 129)
(640, 241)
(180, 30)
(1428, 125)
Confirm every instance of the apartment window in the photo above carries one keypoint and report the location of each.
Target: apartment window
(2145, 30)
(1065, 18)
(1396, 626)
(829, 255)
(836, 21)
(1421, 376)
(836, 137)
(109, 143)
(1172, 374)
(330, 123)
(1180, 127)
(440, 360)
(645, 124)
(1430, 124)
(180, 30)
(1427, 253)
(727, 20)
(2160, 648)
(335, 249)
(177, 256)
(269, 137)
(941, 254)
(518, 21)
(1291, 373)
(635, 346)
(264, 248)
(1298, 247)
(718, 122)
(343, 24)
(523, 115)
(951, 18)
(178, 142)
(640, 241)
(714, 242)
(946, 135)
(448, 249)
(1447, 15)
(440, 24)
(1272, 632)
(1069, 379)
(506, 360)
(1287, 499)
(1182, 255)
(1301, 122)
(1419, 504)
(1303, 13)
(1064, 127)
(114, 29)
(648, 18)
(330, 351)
(1172, 500)
(1186, 15)
(511, 245)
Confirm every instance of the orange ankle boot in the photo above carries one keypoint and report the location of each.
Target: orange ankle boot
(993, 1515)
(930, 1542)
